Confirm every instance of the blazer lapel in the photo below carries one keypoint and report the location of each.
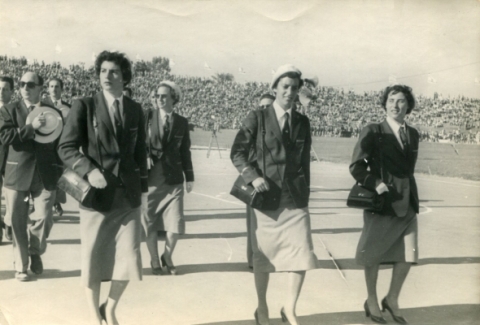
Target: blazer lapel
(271, 123)
(22, 112)
(155, 136)
(388, 130)
(295, 124)
(173, 126)
(102, 112)
(127, 113)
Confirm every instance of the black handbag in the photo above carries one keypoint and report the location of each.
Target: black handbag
(361, 197)
(81, 190)
(246, 192)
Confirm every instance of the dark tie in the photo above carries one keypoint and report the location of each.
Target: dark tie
(403, 138)
(31, 108)
(286, 130)
(166, 127)
(118, 120)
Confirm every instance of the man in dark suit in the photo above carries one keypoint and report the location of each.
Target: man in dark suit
(6, 92)
(31, 169)
(104, 142)
(55, 89)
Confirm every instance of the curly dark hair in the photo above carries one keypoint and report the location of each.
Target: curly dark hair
(119, 59)
(405, 90)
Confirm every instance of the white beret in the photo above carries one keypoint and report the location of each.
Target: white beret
(283, 70)
(176, 89)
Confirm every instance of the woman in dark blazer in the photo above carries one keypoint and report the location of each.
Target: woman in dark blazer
(281, 234)
(168, 145)
(389, 236)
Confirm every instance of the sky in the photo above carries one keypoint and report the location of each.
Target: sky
(430, 45)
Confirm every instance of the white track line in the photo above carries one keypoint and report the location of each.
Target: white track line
(216, 198)
(446, 182)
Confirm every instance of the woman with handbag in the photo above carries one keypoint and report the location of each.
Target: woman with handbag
(384, 161)
(279, 168)
(104, 142)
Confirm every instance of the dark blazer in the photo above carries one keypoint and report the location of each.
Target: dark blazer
(174, 153)
(398, 166)
(250, 166)
(127, 159)
(24, 154)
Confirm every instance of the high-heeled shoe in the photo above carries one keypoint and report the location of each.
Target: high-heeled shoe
(170, 269)
(398, 319)
(156, 270)
(102, 311)
(376, 319)
(256, 317)
(284, 317)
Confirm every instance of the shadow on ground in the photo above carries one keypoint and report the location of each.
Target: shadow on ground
(434, 315)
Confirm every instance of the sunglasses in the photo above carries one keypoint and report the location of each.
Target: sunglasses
(30, 84)
(263, 106)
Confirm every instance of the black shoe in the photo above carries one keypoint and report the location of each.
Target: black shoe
(170, 269)
(256, 317)
(8, 233)
(36, 265)
(284, 317)
(102, 311)
(398, 319)
(156, 270)
(376, 319)
(58, 209)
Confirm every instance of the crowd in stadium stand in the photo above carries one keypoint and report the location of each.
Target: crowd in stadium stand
(220, 101)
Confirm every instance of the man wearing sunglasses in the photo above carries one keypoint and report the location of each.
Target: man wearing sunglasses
(31, 169)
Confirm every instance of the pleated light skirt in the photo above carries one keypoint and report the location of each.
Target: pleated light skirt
(110, 243)
(388, 239)
(282, 240)
(165, 204)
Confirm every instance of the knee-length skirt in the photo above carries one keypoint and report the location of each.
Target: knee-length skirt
(165, 204)
(388, 239)
(110, 242)
(282, 239)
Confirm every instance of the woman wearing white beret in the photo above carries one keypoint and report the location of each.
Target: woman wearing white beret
(281, 234)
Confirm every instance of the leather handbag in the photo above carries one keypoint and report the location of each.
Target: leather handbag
(77, 187)
(81, 190)
(361, 197)
(246, 192)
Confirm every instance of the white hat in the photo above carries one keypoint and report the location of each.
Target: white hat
(53, 124)
(283, 70)
(177, 96)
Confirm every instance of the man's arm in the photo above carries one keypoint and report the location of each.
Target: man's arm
(10, 134)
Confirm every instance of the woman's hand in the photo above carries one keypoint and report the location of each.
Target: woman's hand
(96, 179)
(381, 188)
(260, 185)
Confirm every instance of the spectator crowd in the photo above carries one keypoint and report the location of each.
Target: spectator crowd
(220, 101)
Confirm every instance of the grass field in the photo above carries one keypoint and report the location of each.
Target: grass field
(434, 158)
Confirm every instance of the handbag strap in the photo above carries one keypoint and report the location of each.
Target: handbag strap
(95, 129)
(262, 123)
(379, 145)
